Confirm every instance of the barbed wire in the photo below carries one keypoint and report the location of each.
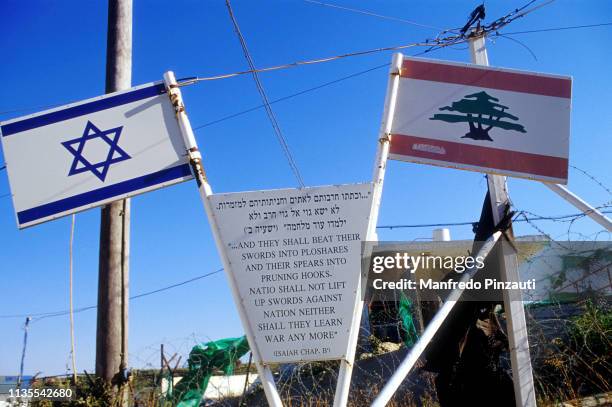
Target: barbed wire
(591, 177)
(520, 212)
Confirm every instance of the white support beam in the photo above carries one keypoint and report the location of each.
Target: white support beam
(378, 177)
(430, 331)
(205, 190)
(582, 205)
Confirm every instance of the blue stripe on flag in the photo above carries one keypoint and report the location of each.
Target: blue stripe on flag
(80, 110)
(101, 194)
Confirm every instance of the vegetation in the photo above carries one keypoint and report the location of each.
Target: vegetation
(577, 362)
(572, 364)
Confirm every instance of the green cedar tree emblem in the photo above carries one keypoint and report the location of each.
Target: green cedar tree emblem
(482, 114)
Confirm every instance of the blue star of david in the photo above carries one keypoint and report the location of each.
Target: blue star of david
(115, 153)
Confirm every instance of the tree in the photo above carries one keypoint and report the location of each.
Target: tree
(482, 114)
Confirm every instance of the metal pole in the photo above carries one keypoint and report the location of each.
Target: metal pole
(23, 352)
(195, 159)
(72, 347)
(432, 328)
(380, 165)
(582, 205)
(246, 380)
(113, 270)
(522, 375)
(161, 356)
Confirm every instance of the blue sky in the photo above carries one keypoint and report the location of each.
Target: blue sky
(54, 53)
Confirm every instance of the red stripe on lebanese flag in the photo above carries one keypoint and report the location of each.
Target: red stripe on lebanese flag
(456, 154)
(487, 78)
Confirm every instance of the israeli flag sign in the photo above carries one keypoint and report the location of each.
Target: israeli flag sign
(93, 152)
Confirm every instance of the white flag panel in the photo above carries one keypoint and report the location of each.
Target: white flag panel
(92, 152)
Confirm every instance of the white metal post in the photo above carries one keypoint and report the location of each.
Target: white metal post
(582, 205)
(522, 375)
(380, 165)
(430, 331)
(195, 159)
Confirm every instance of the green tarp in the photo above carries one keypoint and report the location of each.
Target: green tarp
(204, 359)
(405, 311)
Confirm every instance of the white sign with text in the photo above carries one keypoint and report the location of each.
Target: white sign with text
(295, 256)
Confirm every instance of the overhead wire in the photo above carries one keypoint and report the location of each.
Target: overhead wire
(491, 28)
(191, 280)
(369, 13)
(574, 27)
(271, 116)
(303, 92)
(42, 315)
(437, 43)
(23, 109)
(513, 15)
(304, 62)
(506, 37)
(291, 96)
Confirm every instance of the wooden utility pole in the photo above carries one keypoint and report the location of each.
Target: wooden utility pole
(113, 270)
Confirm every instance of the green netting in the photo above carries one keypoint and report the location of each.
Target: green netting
(406, 312)
(204, 359)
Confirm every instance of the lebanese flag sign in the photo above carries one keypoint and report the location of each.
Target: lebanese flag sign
(482, 119)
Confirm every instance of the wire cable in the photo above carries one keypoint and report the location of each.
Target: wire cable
(506, 37)
(435, 44)
(279, 133)
(23, 109)
(305, 62)
(302, 92)
(574, 27)
(369, 13)
(513, 15)
(41, 315)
